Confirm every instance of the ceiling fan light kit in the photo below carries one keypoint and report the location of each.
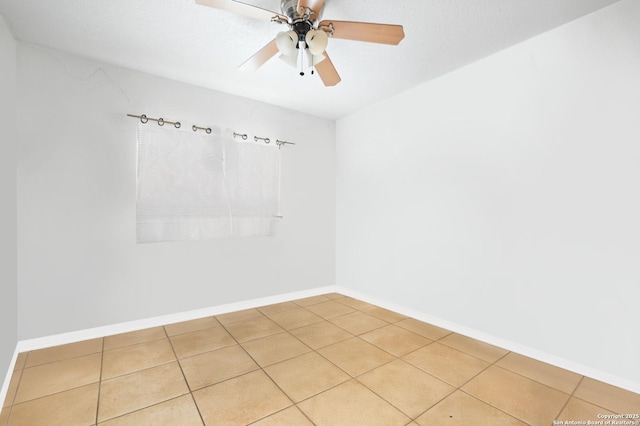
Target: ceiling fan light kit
(287, 42)
(307, 37)
(317, 41)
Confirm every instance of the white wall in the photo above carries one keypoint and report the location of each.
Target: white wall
(78, 262)
(503, 197)
(8, 271)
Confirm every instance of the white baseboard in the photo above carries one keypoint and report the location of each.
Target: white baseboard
(93, 333)
(542, 356)
(125, 327)
(7, 378)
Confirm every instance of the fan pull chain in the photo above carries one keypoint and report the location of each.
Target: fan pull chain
(301, 64)
(301, 53)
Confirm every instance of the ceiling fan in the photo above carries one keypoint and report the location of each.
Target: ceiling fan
(307, 38)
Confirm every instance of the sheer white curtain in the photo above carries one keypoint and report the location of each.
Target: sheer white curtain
(193, 186)
(252, 173)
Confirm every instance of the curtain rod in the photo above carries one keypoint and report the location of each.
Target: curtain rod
(161, 121)
(144, 120)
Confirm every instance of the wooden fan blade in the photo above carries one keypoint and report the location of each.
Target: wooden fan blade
(327, 72)
(240, 8)
(365, 31)
(315, 5)
(262, 56)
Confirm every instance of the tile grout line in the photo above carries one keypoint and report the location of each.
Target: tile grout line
(496, 408)
(355, 378)
(434, 404)
(130, 373)
(63, 359)
(494, 363)
(54, 393)
(491, 364)
(538, 382)
(134, 344)
(157, 363)
(15, 395)
(467, 353)
(280, 411)
(350, 377)
(259, 367)
(47, 395)
(592, 403)
(459, 388)
(486, 402)
(183, 376)
(395, 358)
(155, 404)
(513, 372)
(411, 419)
(295, 404)
(569, 399)
(42, 396)
(456, 388)
(358, 334)
(426, 372)
(100, 381)
(10, 408)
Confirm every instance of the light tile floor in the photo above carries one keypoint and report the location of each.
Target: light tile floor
(324, 360)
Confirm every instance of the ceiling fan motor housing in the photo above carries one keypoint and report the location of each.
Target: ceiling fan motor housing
(289, 8)
(301, 28)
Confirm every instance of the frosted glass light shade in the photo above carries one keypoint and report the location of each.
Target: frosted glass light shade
(291, 60)
(287, 41)
(317, 41)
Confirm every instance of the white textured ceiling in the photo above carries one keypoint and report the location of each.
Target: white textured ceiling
(181, 40)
